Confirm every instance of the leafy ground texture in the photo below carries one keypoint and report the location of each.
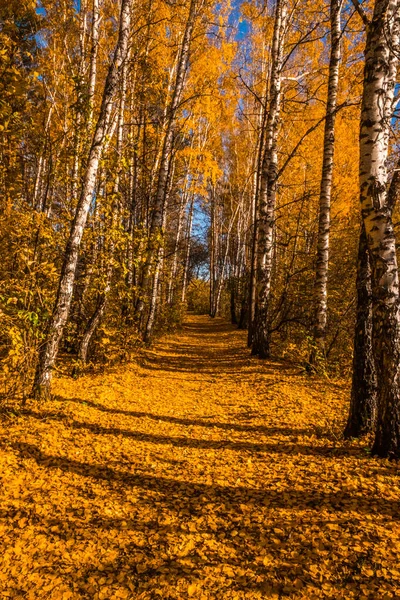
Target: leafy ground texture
(198, 472)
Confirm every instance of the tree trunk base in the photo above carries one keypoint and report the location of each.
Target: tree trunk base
(358, 425)
(387, 441)
(263, 353)
(41, 393)
(382, 451)
(352, 430)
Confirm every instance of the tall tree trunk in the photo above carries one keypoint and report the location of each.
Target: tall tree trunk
(187, 254)
(159, 259)
(255, 215)
(234, 320)
(97, 315)
(261, 341)
(85, 89)
(381, 62)
(213, 252)
(321, 276)
(235, 273)
(253, 258)
(135, 131)
(167, 149)
(174, 266)
(363, 391)
(93, 59)
(363, 402)
(37, 191)
(49, 350)
(220, 283)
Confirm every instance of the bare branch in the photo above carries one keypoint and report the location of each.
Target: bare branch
(360, 9)
(307, 133)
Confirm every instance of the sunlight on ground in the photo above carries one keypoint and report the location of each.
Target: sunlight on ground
(198, 473)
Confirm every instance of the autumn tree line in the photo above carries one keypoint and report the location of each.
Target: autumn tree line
(122, 122)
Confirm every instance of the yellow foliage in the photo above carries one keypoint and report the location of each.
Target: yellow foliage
(197, 472)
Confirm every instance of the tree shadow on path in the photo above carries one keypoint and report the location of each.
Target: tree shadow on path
(233, 496)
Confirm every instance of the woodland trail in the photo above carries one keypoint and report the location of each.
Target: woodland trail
(198, 472)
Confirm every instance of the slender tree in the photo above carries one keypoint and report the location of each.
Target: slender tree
(156, 229)
(266, 223)
(55, 327)
(93, 58)
(321, 276)
(187, 250)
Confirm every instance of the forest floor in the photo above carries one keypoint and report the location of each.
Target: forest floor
(196, 472)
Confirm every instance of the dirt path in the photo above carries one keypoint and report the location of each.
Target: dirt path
(199, 473)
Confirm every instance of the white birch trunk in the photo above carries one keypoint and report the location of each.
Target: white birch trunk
(174, 266)
(220, 283)
(381, 62)
(261, 342)
(187, 253)
(321, 276)
(258, 162)
(93, 58)
(97, 315)
(167, 148)
(160, 258)
(49, 350)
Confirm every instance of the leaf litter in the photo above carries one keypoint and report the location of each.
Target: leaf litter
(196, 472)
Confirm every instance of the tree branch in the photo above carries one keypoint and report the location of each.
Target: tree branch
(360, 9)
(303, 137)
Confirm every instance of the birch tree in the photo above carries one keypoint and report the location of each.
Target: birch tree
(156, 228)
(258, 160)
(266, 225)
(321, 276)
(362, 413)
(49, 349)
(381, 62)
(93, 58)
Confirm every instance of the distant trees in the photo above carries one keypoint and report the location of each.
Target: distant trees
(166, 166)
(321, 275)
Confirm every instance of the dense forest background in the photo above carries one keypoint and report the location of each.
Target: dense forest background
(158, 156)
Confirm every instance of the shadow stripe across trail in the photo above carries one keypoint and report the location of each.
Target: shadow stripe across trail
(195, 472)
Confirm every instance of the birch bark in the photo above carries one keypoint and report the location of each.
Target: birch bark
(102, 300)
(49, 350)
(321, 276)
(381, 62)
(188, 248)
(156, 228)
(258, 162)
(174, 267)
(93, 58)
(213, 249)
(160, 258)
(261, 341)
(221, 278)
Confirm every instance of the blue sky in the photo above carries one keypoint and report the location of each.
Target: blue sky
(243, 27)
